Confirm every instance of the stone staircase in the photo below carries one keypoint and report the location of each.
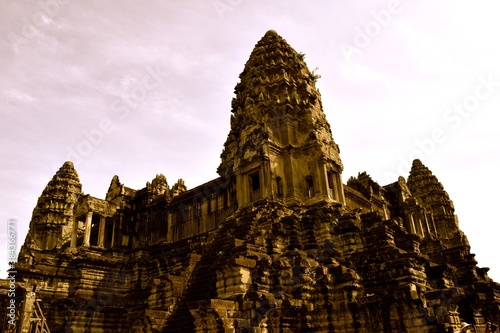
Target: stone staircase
(220, 249)
(201, 285)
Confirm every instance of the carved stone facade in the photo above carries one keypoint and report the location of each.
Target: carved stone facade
(277, 243)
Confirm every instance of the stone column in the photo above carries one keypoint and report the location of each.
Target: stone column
(170, 232)
(418, 224)
(74, 232)
(113, 235)
(102, 226)
(26, 311)
(412, 224)
(242, 190)
(434, 229)
(266, 180)
(386, 211)
(426, 223)
(288, 176)
(339, 186)
(325, 182)
(88, 229)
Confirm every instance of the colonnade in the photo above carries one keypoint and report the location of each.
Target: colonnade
(87, 236)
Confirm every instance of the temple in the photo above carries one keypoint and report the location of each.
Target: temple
(277, 243)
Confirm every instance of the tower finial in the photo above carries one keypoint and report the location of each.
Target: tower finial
(271, 32)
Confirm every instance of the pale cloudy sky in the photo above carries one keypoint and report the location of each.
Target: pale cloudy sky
(139, 88)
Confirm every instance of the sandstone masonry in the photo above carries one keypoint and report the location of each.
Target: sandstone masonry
(277, 243)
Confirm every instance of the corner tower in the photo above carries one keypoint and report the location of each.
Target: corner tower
(280, 144)
(52, 220)
(427, 188)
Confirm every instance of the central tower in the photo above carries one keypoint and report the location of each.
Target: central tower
(280, 144)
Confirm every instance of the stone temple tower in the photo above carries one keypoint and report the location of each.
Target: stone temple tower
(52, 221)
(427, 189)
(280, 144)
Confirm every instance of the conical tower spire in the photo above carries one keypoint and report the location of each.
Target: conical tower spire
(276, 117)
(52, 218)
(427, 188)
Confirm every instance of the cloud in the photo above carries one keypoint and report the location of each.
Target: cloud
(16, 96)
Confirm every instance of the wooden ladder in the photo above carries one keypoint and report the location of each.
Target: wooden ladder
(38, 323)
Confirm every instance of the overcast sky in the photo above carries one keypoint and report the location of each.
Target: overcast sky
(139, 88)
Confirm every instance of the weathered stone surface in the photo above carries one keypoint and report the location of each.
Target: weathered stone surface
(279, 134)
(276, 244)
(52, 221)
